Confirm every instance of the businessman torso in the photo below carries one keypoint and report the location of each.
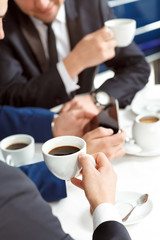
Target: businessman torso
(26, 79)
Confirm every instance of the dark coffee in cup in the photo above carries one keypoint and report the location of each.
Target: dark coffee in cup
(149, 119)
(16, 146)
(63, 150)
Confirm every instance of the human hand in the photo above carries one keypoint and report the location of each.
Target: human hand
(81, 101)
(93, 49)
(98, 183)
(103, 140)
(71, 123)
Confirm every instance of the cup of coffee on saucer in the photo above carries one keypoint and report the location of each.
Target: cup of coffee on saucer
(123, 30)
(61, 156)
(146, 131)
(18, 149)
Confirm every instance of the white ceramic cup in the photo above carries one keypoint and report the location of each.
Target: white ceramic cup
(65, 166)
(21, 156)
(146, 131)
(123, 30)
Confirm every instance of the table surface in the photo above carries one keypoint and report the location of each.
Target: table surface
(137, 174)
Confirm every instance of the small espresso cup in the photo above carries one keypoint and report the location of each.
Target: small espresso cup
(17, 149)
(146, 131)
(123, 30)
(61, 156)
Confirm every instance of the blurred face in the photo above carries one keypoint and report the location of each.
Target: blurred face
(45, 10)
(3, 9)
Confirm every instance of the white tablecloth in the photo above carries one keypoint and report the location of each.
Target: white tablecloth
(138, 174)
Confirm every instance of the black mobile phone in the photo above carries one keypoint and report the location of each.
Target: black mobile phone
(107, 118)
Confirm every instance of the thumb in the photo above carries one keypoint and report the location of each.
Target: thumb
(86, 161)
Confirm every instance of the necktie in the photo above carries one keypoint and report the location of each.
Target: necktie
(52, 45)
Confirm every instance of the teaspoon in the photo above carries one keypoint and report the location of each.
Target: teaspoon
(139, 202)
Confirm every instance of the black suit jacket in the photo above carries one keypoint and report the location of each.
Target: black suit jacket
(25, 79)
(25, 215)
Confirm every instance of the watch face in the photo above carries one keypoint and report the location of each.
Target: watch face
(102, 98)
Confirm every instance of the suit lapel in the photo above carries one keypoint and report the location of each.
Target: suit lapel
(73, 22)
(32, 36)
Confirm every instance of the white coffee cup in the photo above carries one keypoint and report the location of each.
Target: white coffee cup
(146, 131)
(20, 156)
(123, 30)
(64, 166)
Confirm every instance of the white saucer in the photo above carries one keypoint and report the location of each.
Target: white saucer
(124, 203)
(134, 149)
(147, 100)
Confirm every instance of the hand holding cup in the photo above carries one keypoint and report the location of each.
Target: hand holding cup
(61, 156)
(123, 30)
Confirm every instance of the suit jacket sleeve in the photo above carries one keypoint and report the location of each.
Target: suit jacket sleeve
(32, 121)
(131, 74)
(25, 214)
(23, 83)
(111, 230)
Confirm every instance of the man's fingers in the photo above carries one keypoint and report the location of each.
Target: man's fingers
(65, 107)
(107, 33)
(87, 163)
(100, 132)
(117, 152)
(118, 138)
(100, 159)
(77, 182)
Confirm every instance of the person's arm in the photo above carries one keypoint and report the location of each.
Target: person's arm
(23, 83)
(71, 84)
(129, 65)
(32, 121)
(93, 49)
(25, 214)
(41, 123)
(99, 184)
(25, 208)
(131, 74)
(71, 122)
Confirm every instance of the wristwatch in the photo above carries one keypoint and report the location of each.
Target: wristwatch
(101, 98)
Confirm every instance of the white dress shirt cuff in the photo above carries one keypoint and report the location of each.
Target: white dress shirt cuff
(69, 83)
(105, 212)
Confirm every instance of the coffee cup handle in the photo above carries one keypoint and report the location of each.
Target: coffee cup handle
(9, 160)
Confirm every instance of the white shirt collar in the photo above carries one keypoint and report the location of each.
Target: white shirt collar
(61, 16)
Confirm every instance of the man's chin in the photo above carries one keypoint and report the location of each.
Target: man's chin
(46, 17)
(49, 14)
